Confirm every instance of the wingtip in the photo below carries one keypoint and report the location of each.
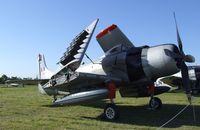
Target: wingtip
(92, 25)
(105, 31)
(96, 20)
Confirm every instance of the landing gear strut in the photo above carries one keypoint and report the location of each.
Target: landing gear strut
(155, 102)
(111, 111)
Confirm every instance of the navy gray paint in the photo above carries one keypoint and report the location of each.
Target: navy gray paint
(140, 62)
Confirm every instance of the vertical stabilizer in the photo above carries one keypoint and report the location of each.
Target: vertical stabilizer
(44, 72)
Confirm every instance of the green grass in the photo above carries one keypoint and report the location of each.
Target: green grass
(25, 109)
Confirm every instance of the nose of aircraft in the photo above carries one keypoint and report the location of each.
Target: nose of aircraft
(158, 62)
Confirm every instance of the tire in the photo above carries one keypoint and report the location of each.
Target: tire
(155, 103)
(111, 112)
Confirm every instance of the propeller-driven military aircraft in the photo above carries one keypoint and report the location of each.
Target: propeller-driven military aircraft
(124, 67)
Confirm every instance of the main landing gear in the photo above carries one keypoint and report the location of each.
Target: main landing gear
(111, 111)
(155, 103)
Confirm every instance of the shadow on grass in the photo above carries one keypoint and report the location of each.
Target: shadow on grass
(140, 115)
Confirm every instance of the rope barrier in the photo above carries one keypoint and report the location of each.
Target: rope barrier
(194, 116)
(173, 117)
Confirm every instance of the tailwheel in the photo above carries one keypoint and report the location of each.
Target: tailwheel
(155, 103)
(111, 112)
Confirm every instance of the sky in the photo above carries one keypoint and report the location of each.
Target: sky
(30, 27)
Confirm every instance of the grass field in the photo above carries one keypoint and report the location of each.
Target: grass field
(25, 109)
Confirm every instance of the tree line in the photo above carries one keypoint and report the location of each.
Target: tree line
(4, 78)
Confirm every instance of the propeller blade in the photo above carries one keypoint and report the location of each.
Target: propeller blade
(183, 66)
(185, 77)
(180, 44)
(186, 81)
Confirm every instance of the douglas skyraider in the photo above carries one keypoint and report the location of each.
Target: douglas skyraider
(124, 67)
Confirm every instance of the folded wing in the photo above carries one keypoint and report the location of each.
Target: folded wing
(111, 37)
(75, 52)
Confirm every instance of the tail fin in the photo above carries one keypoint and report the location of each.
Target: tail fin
(44, 72)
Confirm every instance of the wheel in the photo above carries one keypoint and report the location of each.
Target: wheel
(155, 103)
(111, 112)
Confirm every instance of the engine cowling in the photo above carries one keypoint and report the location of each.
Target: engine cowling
(114, 63)
(151, 62)
(138, 63)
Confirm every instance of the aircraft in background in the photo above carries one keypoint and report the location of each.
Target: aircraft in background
(21, 82)
(175, 80)
(132, 70)
(12, 85)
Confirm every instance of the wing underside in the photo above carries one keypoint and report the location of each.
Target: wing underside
(81, 87)
(75, 52)
(80, 80)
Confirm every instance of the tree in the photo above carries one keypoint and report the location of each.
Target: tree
(3, 78)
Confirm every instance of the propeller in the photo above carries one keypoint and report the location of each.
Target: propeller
(182, 65)
(186, 58)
